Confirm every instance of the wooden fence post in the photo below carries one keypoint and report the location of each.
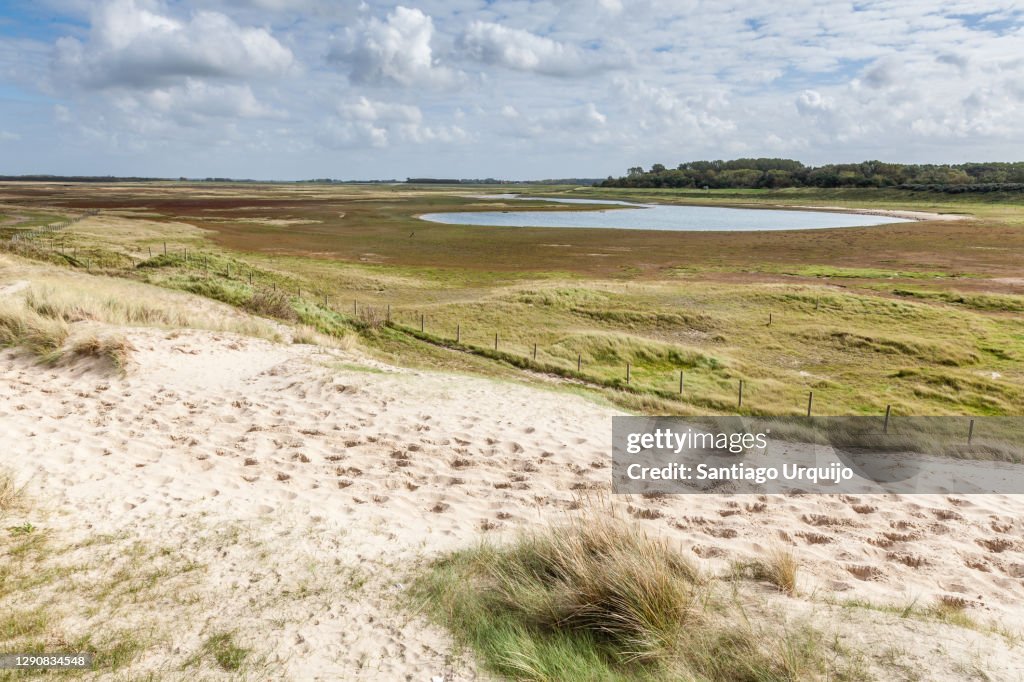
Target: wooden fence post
(458, 333)
(885, 427)
(628, 378)
(579, 362)
(680, 382)
(970, 432)
(739, 402)
(495, 341)
(535, 352)
(810, 402)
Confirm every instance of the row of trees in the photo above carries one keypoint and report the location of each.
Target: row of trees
(777, 173)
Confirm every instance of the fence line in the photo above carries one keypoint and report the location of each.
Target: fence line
(52, 227)
(528, 361)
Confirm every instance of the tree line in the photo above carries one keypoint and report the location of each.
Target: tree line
(779, 173)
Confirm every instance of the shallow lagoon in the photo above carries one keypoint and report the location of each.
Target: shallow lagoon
(660, 217)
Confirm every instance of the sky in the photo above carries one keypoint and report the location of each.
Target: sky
(512, 89)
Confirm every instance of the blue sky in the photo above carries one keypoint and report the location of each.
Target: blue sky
(502, 88)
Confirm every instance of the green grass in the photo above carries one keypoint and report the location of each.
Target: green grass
(982, 302)
(600, 600)
(222, 650)
(828, 271)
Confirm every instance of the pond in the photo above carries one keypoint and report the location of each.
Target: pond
(658, 217)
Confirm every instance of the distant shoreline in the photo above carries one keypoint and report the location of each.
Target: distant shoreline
(893, 213)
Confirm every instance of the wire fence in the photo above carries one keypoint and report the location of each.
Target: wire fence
(362, 316)
(52, 227)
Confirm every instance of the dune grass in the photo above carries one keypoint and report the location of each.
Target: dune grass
(118, 302)
(598, 599)
(40, 335)
(12, 495)
(222, 649)
(114, 350)
(779, 568)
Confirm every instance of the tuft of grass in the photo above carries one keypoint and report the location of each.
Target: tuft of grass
(114, 350)
(952, 609)
(271, 303)
(780, 568)
(21, 326)
(221, 647)
(24, 529)
(623, 587)
(11, 494)
(599, 599)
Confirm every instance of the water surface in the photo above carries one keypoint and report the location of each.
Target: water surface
(658, 217)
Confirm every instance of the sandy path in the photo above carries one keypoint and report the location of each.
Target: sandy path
(341, 462)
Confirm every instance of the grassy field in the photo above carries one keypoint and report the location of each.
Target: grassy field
(923, 316)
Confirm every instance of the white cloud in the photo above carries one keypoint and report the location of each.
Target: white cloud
(611, 6)
(583, 121)
(811, 102)
(132, 44)
(363, 122)
(514, 48)
(195, 102)
(396, 50)
(671, 113)
(7, 136)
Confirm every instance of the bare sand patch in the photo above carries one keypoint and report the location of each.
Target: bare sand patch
(307, 483)
(894, 213)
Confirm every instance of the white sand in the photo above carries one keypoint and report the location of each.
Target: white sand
(895, 213)
(330, 462)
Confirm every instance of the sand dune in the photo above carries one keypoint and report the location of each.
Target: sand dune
(308, 482)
